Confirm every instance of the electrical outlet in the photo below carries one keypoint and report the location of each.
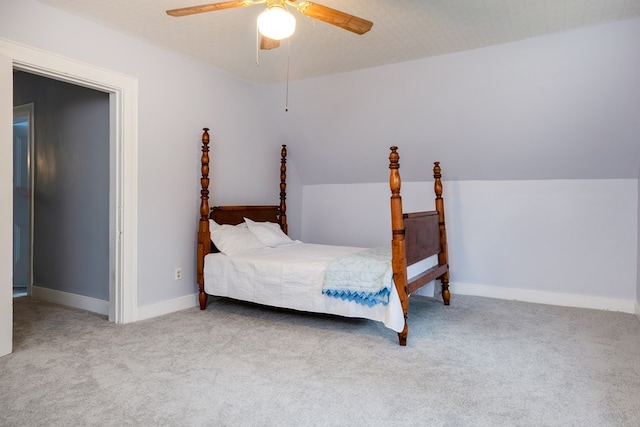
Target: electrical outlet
(178, 275)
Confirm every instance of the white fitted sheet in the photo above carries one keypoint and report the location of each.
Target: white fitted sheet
(291, 276)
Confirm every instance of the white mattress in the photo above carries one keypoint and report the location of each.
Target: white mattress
(291, 276)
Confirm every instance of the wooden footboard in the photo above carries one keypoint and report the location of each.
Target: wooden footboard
(416, 236)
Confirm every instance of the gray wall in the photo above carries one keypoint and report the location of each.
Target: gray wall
(176, 97)
(71, 188)
(538, 141)
(562, 106)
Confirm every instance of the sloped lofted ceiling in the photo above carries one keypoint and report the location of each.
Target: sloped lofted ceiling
(403, 30)
(563, 106)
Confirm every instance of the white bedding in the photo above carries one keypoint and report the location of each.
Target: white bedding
(291, 276)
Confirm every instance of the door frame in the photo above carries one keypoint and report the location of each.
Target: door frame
(123, 217)
(27, 110)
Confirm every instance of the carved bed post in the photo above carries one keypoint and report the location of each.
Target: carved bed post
(399, 260)
(204, 238)
(443, 256)
(283, 190)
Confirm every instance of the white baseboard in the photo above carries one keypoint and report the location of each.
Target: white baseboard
(72, 300)
(102, 307)
(546, 297)
(189, 301)
(166, 307)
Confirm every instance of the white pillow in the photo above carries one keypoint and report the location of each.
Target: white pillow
(213, 225)
(269, 233)
(234, 239)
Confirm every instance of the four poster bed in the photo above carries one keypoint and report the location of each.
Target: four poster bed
(244, 253)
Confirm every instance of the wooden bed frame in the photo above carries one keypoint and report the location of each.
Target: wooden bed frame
(415, 236)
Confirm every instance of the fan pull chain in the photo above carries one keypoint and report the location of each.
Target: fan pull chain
(286, 101)
(257, 47)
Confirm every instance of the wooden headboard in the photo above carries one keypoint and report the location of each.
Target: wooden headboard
(232, 214)
(236, 214)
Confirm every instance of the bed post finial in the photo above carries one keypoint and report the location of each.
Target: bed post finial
(204, 238)
(437, 174)
(399, 256)
(283, 190)
(204, 180)
(443, 256)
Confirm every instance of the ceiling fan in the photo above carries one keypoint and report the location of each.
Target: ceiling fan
(276, 23)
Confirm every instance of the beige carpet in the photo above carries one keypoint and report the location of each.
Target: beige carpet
(479, 362)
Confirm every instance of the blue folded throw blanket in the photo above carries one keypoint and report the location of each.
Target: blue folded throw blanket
(364, 277)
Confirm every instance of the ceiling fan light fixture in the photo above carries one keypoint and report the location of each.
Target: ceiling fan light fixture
(276, 23)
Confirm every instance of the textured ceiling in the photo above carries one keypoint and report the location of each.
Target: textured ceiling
(403, 30)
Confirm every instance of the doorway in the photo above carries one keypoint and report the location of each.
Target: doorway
(22, 199)
(123, 229)
(71, 188)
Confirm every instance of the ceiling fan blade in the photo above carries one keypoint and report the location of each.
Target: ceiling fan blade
(267, 44)
(192, 10)
(335, 17)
